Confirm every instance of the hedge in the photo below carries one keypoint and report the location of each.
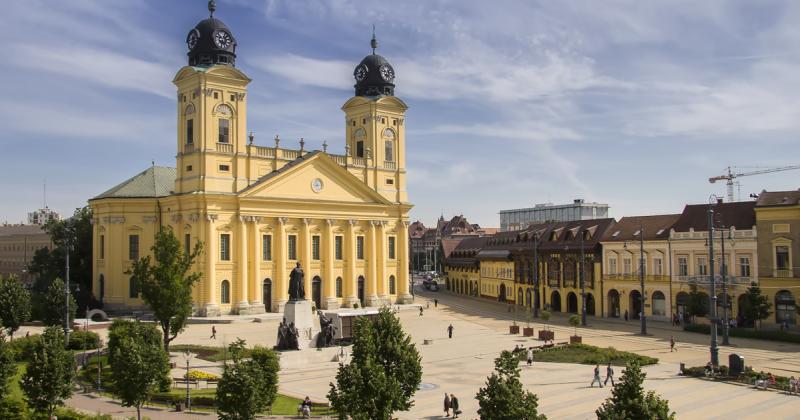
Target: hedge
(77, 340)
(746, 333)
(22, 347)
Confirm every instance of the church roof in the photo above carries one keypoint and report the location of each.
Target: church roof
(155, 181)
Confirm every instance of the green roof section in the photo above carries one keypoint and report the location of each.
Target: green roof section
(155, 181)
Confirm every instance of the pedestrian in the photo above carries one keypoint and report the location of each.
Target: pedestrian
(305, 408)
(680, 318)
(792, 385)
(609, 375)
(450, 331)
(454, 406)
(213, 332)
(626, 314)
(672, 344)
(530, 356)
(446, 405)
(596, 377)
(427, 304)
(420, 311)
(435, 303)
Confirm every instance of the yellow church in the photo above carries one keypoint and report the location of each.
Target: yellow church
(261, 210)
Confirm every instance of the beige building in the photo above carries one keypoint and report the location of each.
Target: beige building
(18, 244)
(260, 210)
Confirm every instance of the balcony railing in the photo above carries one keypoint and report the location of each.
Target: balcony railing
(357, 161)
(262, 151)
(341, 160)
(704, 280)
(635, 277)
(224, 148)
(291, 154)
(389, 165)
(783, 273)
(188, 148)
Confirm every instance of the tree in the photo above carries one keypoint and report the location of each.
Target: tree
(755, 306)
(574, 320)
(47, 265)
(139, 367)
(545, 315)
(247, 387)
(7, 366)
(384, 372)
(166, 284)
(54, 306)
(503, 397)
(628, 400)
(48, 379)
(697, 304)
(141, 332)
(15, 304)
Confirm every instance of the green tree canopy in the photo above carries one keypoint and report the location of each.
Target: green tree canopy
(47, 382)
(503, 397)
(8, 367)
(697, 304)
(166, 283)
(383, 375)
(15, 304)
(755, 306)
(247, 387)
(53, 305)
(628, 400)
(139, 367)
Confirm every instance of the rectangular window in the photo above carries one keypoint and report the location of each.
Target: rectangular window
(389, 181)
(102, 247)
(338, 247)
(225, 247)
(683, 266)
(626, 266)
(292, 247)
(782, 257)
(133, 247)
(187, 243)
(389, 151)
(360, 149)
(224, 131)
(744, 266)
(658, 268)
(315, 247)
(188, 168)
(612, 266)
(189, 131)
(360, 247)
(266, 247)
(391, 247)
(224, 168)
(702, 266)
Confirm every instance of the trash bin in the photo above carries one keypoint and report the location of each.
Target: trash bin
(179, 406)
(735, 365)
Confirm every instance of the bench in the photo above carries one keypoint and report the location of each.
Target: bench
(184, 381)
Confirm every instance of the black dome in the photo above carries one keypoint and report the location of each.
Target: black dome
(374, 75)
(211, 42)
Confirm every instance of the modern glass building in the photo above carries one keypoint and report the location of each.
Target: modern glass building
(517, 219)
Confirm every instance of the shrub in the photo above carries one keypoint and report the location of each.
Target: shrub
(22, 347)
(355, 305)
(197, 375)
(78, 340)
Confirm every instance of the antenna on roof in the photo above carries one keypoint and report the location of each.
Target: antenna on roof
(374, 42)
(44, 192)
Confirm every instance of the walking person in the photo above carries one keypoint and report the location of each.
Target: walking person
(454, 406)
(213, 332)
(530, 356)
(420, 311)
(609, 375)
(436, 303)
(596, 377)
(446, 405)
(450, 331)
(672, 344)
(626, 315)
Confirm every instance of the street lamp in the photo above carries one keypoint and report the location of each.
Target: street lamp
(724, 272)
(66, 296)
(714, 349)
(583, 282)
(536, 274)
(187, 355)
(643, 317)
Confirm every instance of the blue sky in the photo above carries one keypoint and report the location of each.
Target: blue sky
(512, 103)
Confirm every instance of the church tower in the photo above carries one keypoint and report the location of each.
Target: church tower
(212, 112)
(375, 128)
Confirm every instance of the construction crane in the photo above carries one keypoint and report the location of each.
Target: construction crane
(731, 175)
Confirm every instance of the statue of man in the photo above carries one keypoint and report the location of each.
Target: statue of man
(297, 290)
(283, 335)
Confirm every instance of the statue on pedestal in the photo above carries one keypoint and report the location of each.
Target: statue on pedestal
(297, 290)
(327, 331)
(287, 336)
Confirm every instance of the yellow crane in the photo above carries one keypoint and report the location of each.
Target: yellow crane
(730, 175)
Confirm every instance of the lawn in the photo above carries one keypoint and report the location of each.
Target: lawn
(588, 355)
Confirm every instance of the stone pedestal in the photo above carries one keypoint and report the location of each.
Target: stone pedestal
(331, 303)
(373, 301)
(405, 299)
(253, 309)
(211, 310)
(299, 312)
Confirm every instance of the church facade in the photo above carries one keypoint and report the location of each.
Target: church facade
(260, 210)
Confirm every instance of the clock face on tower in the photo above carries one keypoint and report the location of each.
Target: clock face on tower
(316, 185)
(387, 73)
(222, 39)
(192, 38)
(361, 72)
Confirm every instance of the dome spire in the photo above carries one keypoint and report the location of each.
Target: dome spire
(212, 7)
(374, 41)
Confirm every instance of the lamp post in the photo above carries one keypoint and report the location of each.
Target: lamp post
(187, 355)
(536, 274)
(643, 318)
(714, 349)
(66, 296)
(724, 272)
(85, 329)
(583, 283)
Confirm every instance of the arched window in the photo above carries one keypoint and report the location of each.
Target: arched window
(360, 136)
(225, 292)
(388, 138)
(391, 285)
(659, 304)
(338, 287)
